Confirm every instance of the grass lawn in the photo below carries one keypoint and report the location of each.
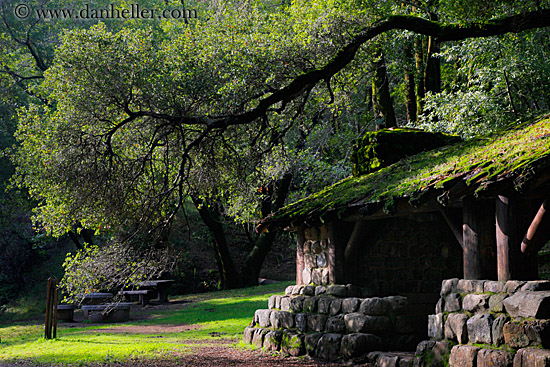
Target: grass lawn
(175, 329)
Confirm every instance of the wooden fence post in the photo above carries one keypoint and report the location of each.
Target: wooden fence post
(48, 324)
(51, 310)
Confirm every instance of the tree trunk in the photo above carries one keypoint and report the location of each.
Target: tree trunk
(432, 73)
(262, 245)
(419, 60)
(410, 95)
(210, 215)
(383, 106)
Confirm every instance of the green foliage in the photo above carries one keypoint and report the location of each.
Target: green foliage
(110, 268)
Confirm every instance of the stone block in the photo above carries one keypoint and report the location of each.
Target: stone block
(309, 290)
(328, 347)
(292, 343)
(261, 317)
(494, 286)
(466, 286)
(463, 356)
(498, 329)
(456, 328)
(512, 286)
(310, 342)
(335, 307)
(288, 290)
(398, 304)
(336, 324)
(321, 289)
(494, 358)
(453, 302)
(281, 320)
(307, 275)
(536, 285)
(297, 304)
(375, 306)
(449, 286)
(529, 305)
(258, 337)
(424, 347)
(480, 328)
(316, 323)
(532, 357)
(337, 290)
(359, 323)
(526, 333)
(272, 340)
(323, 305)
(297, 290)
(321, 260)
(300, 320)
(440, 306)
(476, 302)
(310, 304)
(271, 302)
(310, 260)
(357, 344)
(278, 302)
(495, 302)
(285, 304)
(317, 276)
(350, 305)
(248, 334)
(435, 326)
(387, 360)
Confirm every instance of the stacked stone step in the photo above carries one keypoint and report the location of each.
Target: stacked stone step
(492, 323)
(332, 323)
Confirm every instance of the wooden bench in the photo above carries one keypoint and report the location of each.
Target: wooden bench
(144, 295)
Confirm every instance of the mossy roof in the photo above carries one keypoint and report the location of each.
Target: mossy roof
(511, 160)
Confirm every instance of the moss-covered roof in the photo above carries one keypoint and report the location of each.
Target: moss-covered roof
(514, 159)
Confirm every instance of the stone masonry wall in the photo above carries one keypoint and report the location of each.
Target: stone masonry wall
(316, 256)
(482, 323)
(333, 323)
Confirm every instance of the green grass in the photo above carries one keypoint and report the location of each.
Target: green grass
(212, 316)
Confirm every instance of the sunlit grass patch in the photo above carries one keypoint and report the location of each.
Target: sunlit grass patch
(211, 316)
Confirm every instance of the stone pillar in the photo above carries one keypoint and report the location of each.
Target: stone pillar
(300, 254)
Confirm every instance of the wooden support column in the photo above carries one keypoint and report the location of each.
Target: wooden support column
(513, 216)
(479, 244)
(300, 254)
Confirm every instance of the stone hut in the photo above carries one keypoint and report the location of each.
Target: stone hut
(439, 244)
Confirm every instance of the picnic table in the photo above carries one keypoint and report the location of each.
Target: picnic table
(158, 286)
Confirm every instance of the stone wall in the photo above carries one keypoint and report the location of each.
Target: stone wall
(482, 323)
(333, 322)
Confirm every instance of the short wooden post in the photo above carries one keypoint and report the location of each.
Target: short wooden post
(48, 322)
(479, 244)
(51, 310)
(54, 308)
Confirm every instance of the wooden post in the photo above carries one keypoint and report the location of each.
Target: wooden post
(479, 247)
(513, 216)
(539, 231)
(54, 307)
(48, 323)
